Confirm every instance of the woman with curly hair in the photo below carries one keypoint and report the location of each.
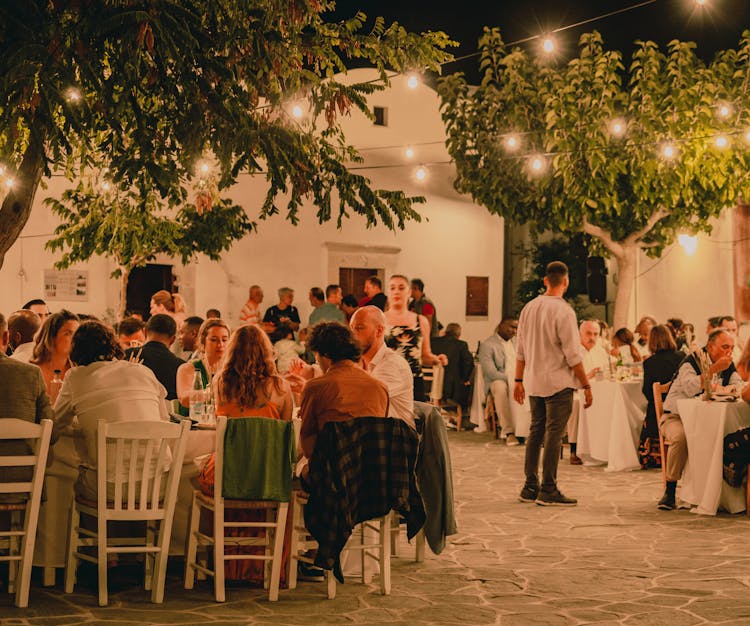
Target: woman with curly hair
(248, 385)
(52, 344)
(102, 387)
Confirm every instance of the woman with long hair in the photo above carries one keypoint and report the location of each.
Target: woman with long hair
(52, 346)
(660, 367)
(170, 304)
(623, 348)
(248, 385)
(213, 337)
(408, 333)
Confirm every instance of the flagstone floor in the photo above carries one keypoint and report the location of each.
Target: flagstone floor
(614, 559)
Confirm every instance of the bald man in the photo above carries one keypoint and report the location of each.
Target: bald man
(368, 326)
(595, 361)
(22, 326)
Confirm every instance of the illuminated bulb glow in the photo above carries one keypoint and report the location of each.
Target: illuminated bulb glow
(421, 173)
(106, 186)
(412, 82)
(721, 142)
(409, 152)
(617, 127)
(548, 45)
(9, 182)
(700, 2)
(2, 168)
(204, 168)
(512, 142)
(668, 151)
(297, 111)
(73, 95)
(724, 111)
(537, 164)
(689, 243)
(747, 136)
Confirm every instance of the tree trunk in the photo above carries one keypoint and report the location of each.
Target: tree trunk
(16, 206)
(124, 275)
(626, 266)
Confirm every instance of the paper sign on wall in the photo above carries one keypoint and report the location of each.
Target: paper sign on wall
(66, 285)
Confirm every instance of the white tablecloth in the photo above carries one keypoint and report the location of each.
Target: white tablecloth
(521, 412)
(706, 424)
(608, 431)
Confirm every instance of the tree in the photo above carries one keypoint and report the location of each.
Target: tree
(603, 138)
(132, 229)
(157, 85)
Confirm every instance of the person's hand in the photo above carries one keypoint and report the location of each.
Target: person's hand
(519, 395)
(442, 359)
(593, 373)
(299, 368)
(721, 364)
(588, 398)
(135, 357)
(285, 319)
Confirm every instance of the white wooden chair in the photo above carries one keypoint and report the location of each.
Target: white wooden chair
(658, 390)
(435, 374)
(379, 550)
(19, 539)
(140, 492)
(272, 542)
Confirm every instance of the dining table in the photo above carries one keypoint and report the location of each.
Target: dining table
(609, 430)
(706, 423)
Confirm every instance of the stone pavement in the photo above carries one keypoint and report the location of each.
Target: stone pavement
(614, 559)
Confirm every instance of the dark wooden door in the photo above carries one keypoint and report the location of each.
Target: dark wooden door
(143, 283)
(352, 280)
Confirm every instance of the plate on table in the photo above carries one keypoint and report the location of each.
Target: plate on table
(724, 397)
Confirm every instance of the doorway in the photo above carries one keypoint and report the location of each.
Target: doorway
(352, 280)
(143, 283)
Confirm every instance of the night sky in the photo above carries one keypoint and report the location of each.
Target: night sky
(716, 25)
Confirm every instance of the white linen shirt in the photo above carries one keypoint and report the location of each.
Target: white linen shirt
(391, 369)
(24, 352)
(687, 384)
(550, 345)
(111, 391)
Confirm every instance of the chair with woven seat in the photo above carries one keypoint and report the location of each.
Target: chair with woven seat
(256, 475)
(659, 391)
(19, 539)
(133, 485)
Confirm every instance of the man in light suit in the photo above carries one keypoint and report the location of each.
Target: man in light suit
(497, 355)
(23, 396)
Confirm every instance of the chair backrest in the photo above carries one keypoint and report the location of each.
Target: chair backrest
(659, 390)
(141, 461)
(24, 432)
(255, 459)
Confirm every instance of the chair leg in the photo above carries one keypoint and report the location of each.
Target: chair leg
(191, 543)
(101, 557)
(148, 561)
(278, 550)
(48, 577)
(27, 555)
(395, 530)
(71, 560)
(385, 557)
(363, 553)
(330, 584)
(219, 590)
(13, 549)
(419, 540)
(296, 543)
(160, 562)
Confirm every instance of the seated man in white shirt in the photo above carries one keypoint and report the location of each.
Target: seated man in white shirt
(595, 361)
(497, 355)
(390, 368)
(688, 384)
(642, 329)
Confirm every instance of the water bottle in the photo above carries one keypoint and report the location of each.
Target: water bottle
(54, 387)
(197, 399)
(209, 408)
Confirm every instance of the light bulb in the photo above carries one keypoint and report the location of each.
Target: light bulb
(9, 182)
(689, 243)
(723, 110)
(618, 127)
(204, 168)
(297, 111)
(73, 95)
(412, 82)
(747, 136)
(537, 164)
(548, 45)
(512, 143)
(409, 152)
(721, 141)
(700, 3)
(106, 186)
(421, 173)
(669, 151)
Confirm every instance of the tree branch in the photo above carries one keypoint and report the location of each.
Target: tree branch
(604, 236)
(635, 237)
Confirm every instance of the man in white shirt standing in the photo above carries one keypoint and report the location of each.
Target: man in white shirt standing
(548, 362)
(497, 356)
(390, 368)
(595, 360)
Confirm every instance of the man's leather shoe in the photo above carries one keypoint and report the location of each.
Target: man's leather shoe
(667, 503)
(575, 459)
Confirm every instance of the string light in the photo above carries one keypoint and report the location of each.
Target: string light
(409, 152)
(412, 82)
(537, 164)
(9, 182)
(203, 167)
(700, 3)
(73, 95)
(106, 186)
(668, 151)
(548, 44)
(617, 127)
(723, 110)
(421, 173)
(512, 143)
(297, 111)
(721, 141)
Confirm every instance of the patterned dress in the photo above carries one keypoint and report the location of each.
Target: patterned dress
(407, 341)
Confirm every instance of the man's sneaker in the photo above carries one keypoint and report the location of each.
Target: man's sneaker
(310, 573)
(575, 459)
(528, 494)
(511, 440)
(667, 503)
(554, 498)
